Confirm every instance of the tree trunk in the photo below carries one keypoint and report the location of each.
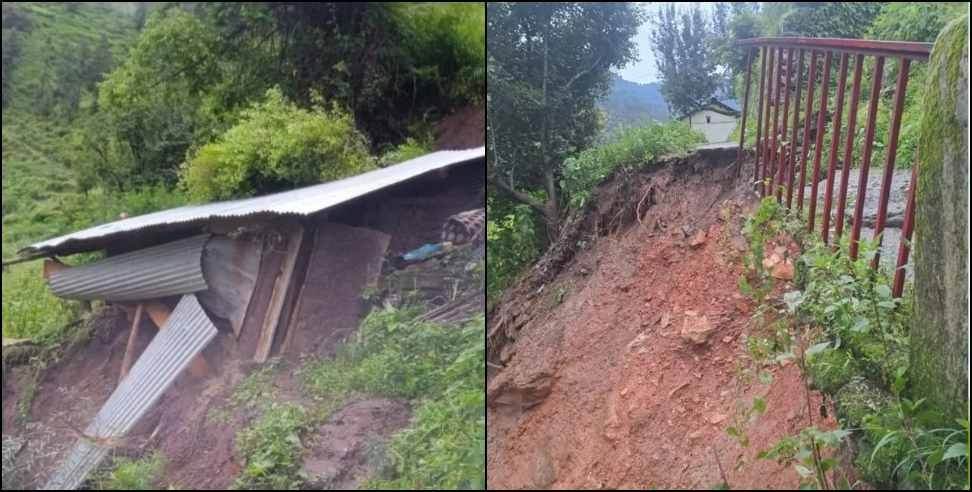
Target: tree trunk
(551, 209)
(940, 333)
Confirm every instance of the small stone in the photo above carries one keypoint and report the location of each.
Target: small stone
(727, 339)
(698, 239)
(783, 271)
(771, 261)
(666, 319)
(695, 436)
(696, 329)
(716, 418)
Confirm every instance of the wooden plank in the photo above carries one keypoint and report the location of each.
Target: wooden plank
(52, 266)
(282, 339)
(279, 296)
(130, 346)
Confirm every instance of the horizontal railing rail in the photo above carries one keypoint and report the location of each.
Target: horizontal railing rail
(781, 153)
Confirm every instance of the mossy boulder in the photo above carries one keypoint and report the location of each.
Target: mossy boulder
(940, 331)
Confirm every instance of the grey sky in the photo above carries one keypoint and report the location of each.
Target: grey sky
(644, 71)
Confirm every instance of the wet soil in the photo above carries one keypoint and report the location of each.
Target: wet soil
(598, 387)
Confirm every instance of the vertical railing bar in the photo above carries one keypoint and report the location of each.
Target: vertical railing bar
(821, 129)
(805, 146)
(745, 112)
(848, 146)
(875, 97)
(781, 162)
(791, 164)
(759, 114)
(892, 148)
(834, 143)
(774, 145)
(766, 131)
(904, 247)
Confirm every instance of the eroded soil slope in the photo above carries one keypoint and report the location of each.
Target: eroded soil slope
(605, 384)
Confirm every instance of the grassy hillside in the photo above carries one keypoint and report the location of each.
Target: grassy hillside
(40, 197)
(36, 183)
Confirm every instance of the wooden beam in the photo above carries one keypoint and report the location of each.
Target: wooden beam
(52, 266)
(278, 298)
(130, 346)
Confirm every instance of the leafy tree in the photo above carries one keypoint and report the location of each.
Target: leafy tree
(141, 11)
(683, 57)
(155, 105)
(15, 25)
(829, 19)
(548, 63)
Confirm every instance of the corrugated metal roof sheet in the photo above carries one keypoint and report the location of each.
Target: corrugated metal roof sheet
(169, 269)
(184, 335)
(303, 201)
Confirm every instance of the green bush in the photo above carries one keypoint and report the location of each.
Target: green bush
(277, 145)
(632, 148)
(133, 474)
(409, 149)
(513, 241)
(447, 44)
(271, 448)
(831, 369)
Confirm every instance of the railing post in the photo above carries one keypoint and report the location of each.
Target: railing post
(791, 162)
(834, 142)
(817, 151)
(849, 145)
(766, 130)
(742, 129)
(904, 245)
(892, 149)
(866, 160)
(805, 145)
(774, 150)
(759, 114)
(783, 159)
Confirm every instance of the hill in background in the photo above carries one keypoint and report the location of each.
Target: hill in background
(630, 103)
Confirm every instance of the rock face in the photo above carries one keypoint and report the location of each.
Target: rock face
(696, 329)
(940, 335)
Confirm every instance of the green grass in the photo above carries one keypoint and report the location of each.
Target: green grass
(132, 474)
(271, 448)
(439, 367)
(65, 30)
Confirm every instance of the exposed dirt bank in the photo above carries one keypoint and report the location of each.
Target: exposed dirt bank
(605, 382)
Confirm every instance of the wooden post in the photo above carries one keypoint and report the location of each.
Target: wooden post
(130, 346)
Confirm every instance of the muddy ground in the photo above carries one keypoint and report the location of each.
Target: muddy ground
(598, 386)
(200, 450)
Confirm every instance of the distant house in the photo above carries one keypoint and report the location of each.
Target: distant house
(715, 119)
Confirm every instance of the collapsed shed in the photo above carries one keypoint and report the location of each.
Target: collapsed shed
(279, 274)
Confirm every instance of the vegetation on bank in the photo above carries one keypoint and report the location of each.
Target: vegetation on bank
(850, 336)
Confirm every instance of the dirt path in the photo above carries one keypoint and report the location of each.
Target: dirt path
(619, 399)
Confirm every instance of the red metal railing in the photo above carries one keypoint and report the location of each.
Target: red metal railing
(778, 159)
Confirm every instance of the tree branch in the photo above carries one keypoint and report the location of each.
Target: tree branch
(519, 195)
(583, 72)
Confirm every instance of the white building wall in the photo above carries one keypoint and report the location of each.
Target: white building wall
(716, 129)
